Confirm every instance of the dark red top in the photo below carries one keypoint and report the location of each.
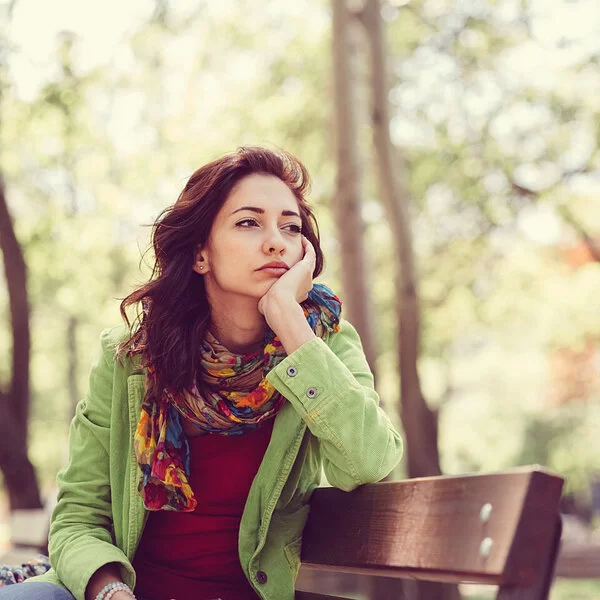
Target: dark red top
(194, 556)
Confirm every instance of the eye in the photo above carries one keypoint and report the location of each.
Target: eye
(246, 223)
(293, 228)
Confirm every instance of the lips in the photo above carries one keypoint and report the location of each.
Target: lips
(274, 265)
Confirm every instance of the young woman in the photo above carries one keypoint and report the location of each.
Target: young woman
(208, 421)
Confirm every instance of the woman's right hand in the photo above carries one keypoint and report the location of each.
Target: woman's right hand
(294, 285)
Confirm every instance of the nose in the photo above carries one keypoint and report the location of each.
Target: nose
(274, 243)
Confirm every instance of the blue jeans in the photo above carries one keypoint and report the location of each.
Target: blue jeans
(35, 591)
(38, 590)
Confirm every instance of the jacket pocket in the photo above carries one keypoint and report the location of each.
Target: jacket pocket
(292, 554)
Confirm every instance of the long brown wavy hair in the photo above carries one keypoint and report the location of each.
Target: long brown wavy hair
(172, 307)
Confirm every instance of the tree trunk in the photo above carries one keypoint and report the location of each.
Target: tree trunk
(346, 205)
(19, 475)
(419, 422)
(18, 472)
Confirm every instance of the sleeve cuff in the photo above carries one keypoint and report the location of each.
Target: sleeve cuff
(310, 376)
(82, 569)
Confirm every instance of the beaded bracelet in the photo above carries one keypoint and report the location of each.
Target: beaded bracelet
(110, 589)
(112, 592)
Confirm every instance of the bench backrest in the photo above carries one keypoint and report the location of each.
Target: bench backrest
(501, 529)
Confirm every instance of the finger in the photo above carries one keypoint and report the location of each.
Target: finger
(309, 249)
(306, 243)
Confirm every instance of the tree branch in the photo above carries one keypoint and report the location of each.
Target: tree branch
(589, 241)
(566, 214)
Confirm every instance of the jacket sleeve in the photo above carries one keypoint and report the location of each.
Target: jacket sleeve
(331, 386)
(81, 528)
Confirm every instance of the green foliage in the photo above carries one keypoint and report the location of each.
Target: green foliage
(490, 156)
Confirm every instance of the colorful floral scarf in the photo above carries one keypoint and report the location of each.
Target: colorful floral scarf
(237, 398)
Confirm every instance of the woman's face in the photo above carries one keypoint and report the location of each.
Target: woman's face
(255, 238)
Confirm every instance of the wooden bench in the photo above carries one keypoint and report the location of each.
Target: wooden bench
(501, 529)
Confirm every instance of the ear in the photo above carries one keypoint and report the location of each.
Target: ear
(200, 263)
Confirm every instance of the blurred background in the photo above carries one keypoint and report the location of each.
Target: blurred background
(454, 153)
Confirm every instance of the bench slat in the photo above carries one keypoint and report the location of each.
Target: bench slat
(431, 528)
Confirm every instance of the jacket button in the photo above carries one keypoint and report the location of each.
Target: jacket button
(261, 577)
(292, 371)
(312, 392)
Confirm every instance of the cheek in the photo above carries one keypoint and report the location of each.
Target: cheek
(227, 250)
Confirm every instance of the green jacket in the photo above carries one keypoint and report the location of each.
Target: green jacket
(331, 420)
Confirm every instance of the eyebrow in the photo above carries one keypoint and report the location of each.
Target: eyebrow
(261, 211)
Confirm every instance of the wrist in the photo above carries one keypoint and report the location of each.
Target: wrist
(116, 590)
(107, 574)
(290, 325)
(120, 595)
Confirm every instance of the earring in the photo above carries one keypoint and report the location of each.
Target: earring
(201, 267)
